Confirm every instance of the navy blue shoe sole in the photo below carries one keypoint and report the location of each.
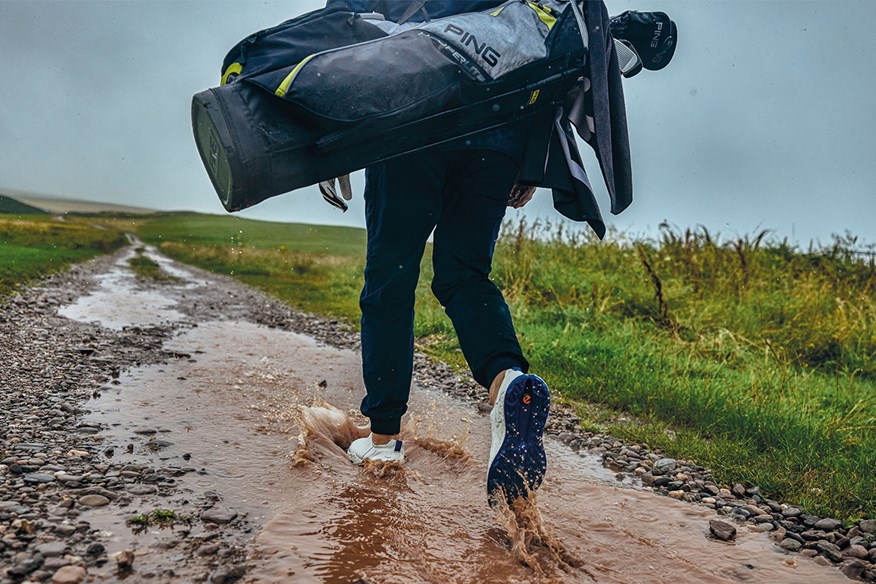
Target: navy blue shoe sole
(520, 462)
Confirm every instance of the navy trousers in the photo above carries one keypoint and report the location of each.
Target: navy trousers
(462, 195)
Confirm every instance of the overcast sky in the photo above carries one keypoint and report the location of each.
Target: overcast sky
(766, 118)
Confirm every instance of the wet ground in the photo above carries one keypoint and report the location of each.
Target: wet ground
(255, 421)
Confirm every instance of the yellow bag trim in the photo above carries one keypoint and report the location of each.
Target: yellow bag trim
(284, 86)
(544, 14)
(497, 12)
(232, 69)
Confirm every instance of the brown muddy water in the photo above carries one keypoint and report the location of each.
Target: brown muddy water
(265, 415)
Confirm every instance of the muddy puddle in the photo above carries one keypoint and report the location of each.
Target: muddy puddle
(119, 301)
(261, 417)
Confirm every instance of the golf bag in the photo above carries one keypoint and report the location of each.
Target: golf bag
(333, 91)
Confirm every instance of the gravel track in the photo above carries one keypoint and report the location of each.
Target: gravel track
(54, 466)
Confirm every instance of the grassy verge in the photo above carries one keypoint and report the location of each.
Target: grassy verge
(755, 359)
(147, 268)
(33, 246)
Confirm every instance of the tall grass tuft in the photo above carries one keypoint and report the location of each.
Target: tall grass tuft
(748, 342)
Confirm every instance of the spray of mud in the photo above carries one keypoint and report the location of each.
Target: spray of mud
(328, 431)
(532, 542)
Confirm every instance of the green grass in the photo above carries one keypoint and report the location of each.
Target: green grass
(32, 246)
(316, 268)
(752, 357)
(148, 269)
(162, 517)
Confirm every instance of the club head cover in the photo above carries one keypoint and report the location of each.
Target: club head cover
(653, 36)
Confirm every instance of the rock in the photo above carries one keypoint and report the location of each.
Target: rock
(95, 549)
(712, 489)
(38, 478)
(124, 560)
(813, 535)
(661, 481)
(208, 549)
(24, 563)
(754, 510)
(142, 489)
(93, 501)
(65, 530)
(868, 526)
(676, 494)
(827, 524)
(69, 575)
(809, 520)
(778, 534)
(830, 551)
(52, 549)
(227, 575)
(854, 569)
(722, 530)
(792, 512)
(708, 500)
(218, 515)
(68, 478)
(858, 552)
(792, 545)
(663, 466)
(738, 491)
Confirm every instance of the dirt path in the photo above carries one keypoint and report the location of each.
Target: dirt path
(235, 415)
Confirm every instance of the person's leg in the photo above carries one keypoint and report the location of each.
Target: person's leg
(474, 206)
(402, 205)
(475, 199)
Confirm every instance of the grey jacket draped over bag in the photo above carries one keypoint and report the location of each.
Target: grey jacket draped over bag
(596, 110)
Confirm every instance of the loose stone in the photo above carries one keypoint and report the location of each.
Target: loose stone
(217, 515)
(827, 524)
(227, 575)
(722, 530)
(38, 478)
(57, 548)
(854, 569)
(830, 551)
(792, 545)
(124, 560)
(857, 551)
(69, 575)
(664, 465)
(93, 501)
(142, 489)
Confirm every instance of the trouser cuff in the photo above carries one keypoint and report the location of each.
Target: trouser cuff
(387, 426)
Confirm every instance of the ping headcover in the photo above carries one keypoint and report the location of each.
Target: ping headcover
(650, 35)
